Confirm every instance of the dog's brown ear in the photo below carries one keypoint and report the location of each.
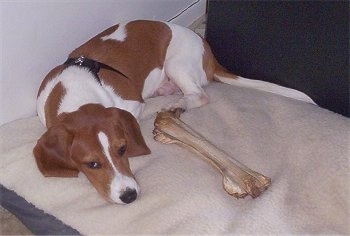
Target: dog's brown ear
(136, 144)
(52, 153)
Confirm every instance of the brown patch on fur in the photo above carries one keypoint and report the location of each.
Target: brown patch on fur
(223, 72)
(143, 49)
(209, 62)
(212, 67)
(52, 74)
(52, 104)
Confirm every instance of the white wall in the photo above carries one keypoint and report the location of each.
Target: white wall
(36, 35)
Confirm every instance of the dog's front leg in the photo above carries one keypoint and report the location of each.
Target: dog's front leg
(238, 180)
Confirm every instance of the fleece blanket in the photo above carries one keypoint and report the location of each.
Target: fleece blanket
(303, 148)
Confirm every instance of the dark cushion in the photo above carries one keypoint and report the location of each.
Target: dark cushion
(298, 44)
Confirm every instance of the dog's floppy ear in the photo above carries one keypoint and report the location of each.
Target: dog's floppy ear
(135, 142)
(52, 153)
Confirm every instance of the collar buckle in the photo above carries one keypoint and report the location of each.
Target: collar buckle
(79, 61)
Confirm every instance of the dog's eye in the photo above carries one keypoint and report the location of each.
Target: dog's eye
(94, 165)
(122, 150)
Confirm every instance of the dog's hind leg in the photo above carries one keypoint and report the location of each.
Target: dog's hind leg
(190, 79)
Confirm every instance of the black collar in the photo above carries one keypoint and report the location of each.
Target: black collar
(92, 65)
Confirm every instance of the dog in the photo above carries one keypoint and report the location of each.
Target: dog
(91, 103)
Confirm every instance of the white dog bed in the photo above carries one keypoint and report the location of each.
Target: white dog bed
(303, 148)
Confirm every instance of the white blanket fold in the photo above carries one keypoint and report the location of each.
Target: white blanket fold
(303, 148)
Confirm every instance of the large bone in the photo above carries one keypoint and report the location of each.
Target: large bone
(238, 180)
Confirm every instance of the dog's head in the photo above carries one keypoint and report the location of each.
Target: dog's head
(98, 142)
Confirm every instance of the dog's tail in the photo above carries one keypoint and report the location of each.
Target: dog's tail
(221, 74)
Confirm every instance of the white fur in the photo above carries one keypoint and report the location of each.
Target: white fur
(152, 82)
(41, 100)
(119, 35)
(267, 87)
(82, 88)
(134, 107)
(184, 57)
(119, 182)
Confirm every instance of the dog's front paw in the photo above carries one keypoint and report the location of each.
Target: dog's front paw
(189, 101)
(179, 105)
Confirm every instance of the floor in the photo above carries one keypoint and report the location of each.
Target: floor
(9, 224)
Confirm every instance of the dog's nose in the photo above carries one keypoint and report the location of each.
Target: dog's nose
(128, 196)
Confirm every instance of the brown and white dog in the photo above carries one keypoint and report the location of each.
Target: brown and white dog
(91, 103)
